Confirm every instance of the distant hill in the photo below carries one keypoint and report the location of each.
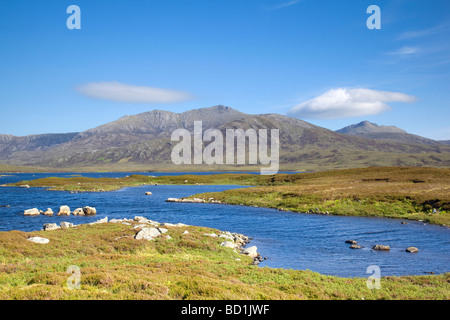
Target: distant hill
(371, 130)
(142, 142)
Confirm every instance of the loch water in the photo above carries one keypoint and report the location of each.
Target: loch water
(288, 240)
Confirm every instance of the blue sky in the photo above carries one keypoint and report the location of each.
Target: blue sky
(312, 59)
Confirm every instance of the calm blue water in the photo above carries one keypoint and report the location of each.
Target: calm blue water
(289, 240)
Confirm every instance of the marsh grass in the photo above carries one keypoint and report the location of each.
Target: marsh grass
(113, 265)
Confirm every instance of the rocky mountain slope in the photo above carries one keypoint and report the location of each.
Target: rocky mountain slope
(142, 141)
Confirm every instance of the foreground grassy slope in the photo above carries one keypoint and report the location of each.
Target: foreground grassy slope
(114, 265)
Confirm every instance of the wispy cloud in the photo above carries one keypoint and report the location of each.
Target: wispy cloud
(404, 51)
(347, 103)
(121, 92)
(422, 33)
(286, 4)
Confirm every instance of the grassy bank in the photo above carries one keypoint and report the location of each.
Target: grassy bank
(114, 265)
(393, 192)
(407, 193)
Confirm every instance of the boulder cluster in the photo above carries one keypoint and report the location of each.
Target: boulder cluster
(238, 242)
(63, 211)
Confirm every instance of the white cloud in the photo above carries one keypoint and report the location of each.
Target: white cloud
(346, 103)
(116, 91)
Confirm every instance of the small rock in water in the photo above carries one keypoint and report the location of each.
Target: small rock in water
(412, 249)
(355, 246)
(64, 211)
(31, 212)
(48, 212)
(351, 241)
(89, 211)
(78, 212)
(381, 247)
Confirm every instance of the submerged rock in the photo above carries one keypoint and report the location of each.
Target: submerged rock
(381, 247)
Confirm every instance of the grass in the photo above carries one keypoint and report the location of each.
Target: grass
(113, 265)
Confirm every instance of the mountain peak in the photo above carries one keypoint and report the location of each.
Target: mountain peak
(369, 127)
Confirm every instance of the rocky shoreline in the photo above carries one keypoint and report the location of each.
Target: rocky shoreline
(146, 229)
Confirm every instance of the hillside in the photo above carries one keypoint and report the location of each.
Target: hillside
(142, 142)
(371, 130)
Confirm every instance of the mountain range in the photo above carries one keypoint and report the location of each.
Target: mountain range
(143, 142)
